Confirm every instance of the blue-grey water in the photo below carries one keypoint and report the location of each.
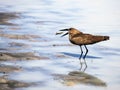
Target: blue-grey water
(46, 17)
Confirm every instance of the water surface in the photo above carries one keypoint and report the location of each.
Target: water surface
(44, 18)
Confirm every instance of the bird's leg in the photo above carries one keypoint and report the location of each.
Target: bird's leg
(80, 57)
(81, 52)
(86, 52)
(85, 56)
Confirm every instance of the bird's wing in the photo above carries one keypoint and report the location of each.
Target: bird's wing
(85, 39)
(91, 39)
(82, 39)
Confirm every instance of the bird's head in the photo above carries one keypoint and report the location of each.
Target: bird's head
(70, 31)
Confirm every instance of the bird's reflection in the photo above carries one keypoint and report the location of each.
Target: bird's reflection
(83, 63)
(78, 77)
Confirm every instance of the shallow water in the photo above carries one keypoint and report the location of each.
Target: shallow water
(44, 18)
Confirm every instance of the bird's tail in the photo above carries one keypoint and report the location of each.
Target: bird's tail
(106, 37)
(96, 39)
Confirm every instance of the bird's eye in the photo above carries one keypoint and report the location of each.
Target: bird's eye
(70, 29)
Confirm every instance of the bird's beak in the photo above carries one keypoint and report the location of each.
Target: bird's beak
(64, 34)
(64, 30)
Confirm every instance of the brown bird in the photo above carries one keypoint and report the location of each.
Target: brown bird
(82, 39)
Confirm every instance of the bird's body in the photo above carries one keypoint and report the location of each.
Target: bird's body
(82, 39)
(79, 38)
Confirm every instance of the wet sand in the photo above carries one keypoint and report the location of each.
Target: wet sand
(32, 57)
(6, 84)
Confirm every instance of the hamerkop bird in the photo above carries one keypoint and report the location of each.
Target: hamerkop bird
(82, 39)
